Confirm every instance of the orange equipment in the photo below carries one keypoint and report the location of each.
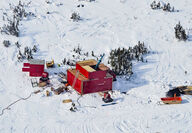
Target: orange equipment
(171, 100)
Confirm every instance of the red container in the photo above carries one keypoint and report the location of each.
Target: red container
(34, 67)
(89, 80)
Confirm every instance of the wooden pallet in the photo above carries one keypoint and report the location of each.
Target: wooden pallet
(67, 101)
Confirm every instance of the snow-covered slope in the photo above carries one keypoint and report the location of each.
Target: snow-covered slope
(105, 25)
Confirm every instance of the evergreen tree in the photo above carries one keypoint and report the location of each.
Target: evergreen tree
(121, 59)
(180, 32)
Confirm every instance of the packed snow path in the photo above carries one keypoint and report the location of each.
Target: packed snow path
(105, 25)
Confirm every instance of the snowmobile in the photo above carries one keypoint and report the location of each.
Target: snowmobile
(44, 80)
(107, 98)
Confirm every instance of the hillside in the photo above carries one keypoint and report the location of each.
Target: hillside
(104, 25)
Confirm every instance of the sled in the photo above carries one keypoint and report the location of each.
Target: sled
(50, 64)
(171, 100)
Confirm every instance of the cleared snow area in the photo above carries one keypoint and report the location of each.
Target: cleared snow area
(105, 25)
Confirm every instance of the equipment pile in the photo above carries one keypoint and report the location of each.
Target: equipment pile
(97, 78)
(173, 96)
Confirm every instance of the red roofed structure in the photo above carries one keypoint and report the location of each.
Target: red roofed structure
(85, 79)
(35, 67)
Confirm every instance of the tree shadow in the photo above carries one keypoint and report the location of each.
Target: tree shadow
(137, 79)
(123, 85)
(189, 38)
(189, 35)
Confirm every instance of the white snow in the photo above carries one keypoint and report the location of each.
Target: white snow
(105, 25)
